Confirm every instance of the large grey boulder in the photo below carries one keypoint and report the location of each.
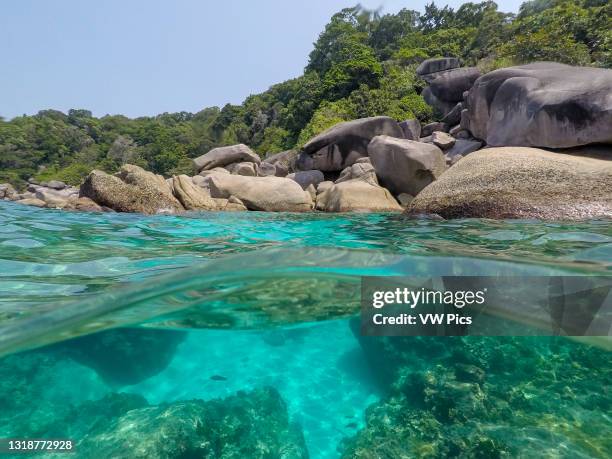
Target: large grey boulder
(516, 182)
(543, 104)
(437, 64)
(273, 194)
(307, 178)
(357, 196)
(441, 107)
(341, 145)
(132, 190)
(405, 166)
(222, 156)
(449, 86)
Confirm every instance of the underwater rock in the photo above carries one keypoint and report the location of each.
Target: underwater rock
(485, 397)
(124, 356)
(251, 424)
(341, 145)
(31, 405)
(516, 182)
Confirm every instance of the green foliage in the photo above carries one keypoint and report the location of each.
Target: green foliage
(71, 174)
(328, 114)
(362, 64)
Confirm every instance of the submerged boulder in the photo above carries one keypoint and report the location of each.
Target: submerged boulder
(132, 190)
(252, 424)
(341, 145)
(405, 166)
(124, 355)
(222, 156)
(544, 104)
(516, 182)
(273, 194)
(357, 196)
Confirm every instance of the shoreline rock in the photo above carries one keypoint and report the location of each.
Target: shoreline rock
(520, 182)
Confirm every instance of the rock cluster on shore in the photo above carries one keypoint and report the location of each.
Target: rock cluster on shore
(379, 165)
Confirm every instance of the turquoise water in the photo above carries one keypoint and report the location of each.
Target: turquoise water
(203, 306)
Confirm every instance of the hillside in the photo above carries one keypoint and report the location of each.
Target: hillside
(363, 64)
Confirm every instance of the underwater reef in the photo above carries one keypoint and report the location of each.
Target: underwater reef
(248, 424)
(476, 397)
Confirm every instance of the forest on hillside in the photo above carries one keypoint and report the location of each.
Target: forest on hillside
(362, 64)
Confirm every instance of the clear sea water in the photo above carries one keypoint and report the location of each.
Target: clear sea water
(253, 299)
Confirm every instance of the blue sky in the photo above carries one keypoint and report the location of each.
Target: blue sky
(144, 57)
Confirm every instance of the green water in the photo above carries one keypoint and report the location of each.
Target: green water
(113, 322)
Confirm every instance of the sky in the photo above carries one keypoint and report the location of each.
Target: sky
(145, 57)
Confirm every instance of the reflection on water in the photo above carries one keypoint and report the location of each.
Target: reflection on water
(246, 348)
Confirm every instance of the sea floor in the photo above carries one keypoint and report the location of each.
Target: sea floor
(319, 371)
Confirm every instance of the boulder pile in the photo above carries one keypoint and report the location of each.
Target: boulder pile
(377, 164)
